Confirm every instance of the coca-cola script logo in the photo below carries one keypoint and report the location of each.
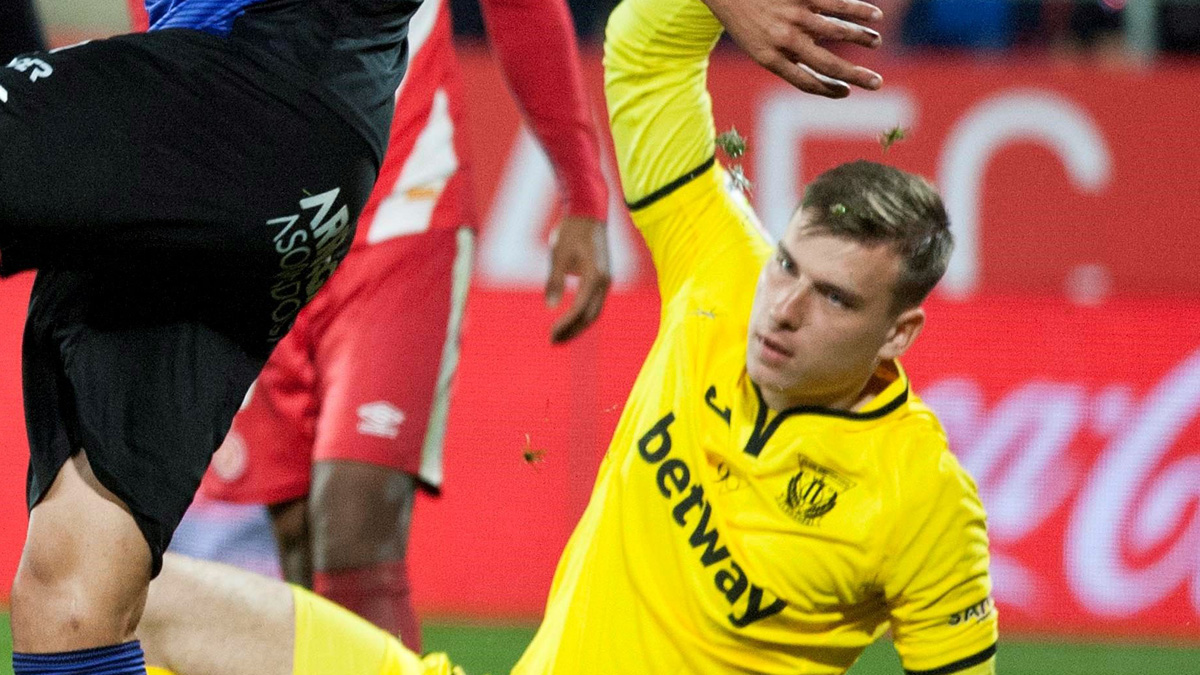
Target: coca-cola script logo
(1123, 516)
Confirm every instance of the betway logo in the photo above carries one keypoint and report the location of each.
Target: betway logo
(671, 472)
(1132, 530)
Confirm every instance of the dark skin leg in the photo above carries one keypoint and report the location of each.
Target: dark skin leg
(356, 515)
(359, 514)
(289, 520)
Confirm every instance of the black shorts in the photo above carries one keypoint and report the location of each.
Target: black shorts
(149, 399)
(181, 203)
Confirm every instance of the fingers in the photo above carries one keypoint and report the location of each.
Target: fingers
(816, 83)
(807, 80)
(556, 283)
(832, 28)
(822, 64)
(589, 300)
(805, 49)
(797, 54)
(851, 10)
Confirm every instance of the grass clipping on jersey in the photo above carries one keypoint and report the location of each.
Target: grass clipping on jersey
(733, 144)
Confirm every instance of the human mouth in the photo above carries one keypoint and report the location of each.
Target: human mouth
(772, 351)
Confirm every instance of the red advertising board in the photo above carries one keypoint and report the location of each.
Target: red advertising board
(1063, 353)
(1059, 178)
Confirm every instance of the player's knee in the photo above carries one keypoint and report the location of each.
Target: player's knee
(60, 598)
(46, 573)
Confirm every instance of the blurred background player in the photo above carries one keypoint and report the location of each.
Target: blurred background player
(350, 413)
(775, 496)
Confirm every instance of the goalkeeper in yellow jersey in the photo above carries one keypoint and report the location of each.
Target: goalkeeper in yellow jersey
(775, 496)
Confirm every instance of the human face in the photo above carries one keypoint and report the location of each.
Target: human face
(823, 318)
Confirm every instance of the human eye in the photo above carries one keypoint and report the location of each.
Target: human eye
(785, 261)
(836, 297)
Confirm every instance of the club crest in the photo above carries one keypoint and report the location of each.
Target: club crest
(812, 492)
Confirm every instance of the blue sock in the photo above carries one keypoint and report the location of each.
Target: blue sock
(126, 659)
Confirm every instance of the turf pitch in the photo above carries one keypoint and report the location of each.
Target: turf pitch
(489, 649)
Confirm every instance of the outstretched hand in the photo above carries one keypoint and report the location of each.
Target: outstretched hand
(785, 36)
(578, 247)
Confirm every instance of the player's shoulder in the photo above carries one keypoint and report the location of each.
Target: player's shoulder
(924, 456)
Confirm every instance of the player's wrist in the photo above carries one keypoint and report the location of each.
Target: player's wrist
(590, 205)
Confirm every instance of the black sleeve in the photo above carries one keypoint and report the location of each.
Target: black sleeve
(20, 31)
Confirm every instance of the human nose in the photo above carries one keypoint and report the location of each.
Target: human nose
(787, 312)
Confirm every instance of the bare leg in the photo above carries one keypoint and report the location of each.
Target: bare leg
(84, 571)
(289, 521)
(207, 618)
(360, 515)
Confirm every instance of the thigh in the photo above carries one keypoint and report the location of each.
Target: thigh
(150, 400)
(168, 153)
(387, 360)
(206, 617)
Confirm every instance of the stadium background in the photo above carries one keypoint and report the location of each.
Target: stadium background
(1063, 352)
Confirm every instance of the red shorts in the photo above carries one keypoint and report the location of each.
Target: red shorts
(364, 375)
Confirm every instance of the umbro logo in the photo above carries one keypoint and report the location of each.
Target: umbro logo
(380, 419)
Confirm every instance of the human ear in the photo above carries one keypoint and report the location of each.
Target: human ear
(903, 332)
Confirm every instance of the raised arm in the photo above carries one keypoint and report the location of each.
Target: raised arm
(656, 62)
(535, 41)
(655, 71)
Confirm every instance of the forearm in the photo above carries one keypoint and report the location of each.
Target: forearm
(20, 30)
(655, 80)
(536, 45)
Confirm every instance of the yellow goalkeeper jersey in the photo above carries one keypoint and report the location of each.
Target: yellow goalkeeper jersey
(722, 536)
